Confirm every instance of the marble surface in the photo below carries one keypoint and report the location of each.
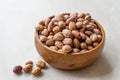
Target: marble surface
(17, 21)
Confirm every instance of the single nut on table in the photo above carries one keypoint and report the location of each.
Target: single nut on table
(54, 48)
(36, 71)
(41, 64)
(61, 24)
(76, 43)
(42, 38)
(72, 26)
(58, 44)
(83, 45)
(56, 29)
(50, 42)
(76, 50)
(45, 32)
(67, 48)
(67, 41)
(58, 36)
(93, 37)
(67, 33)
(17, 69)
(29, 62)
(27, 68)
(79, 25)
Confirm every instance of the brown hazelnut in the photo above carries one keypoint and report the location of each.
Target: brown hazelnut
(93, 37)
(96, 31)
(50, 37)
(79, 25)
(50, 26)
(67, 41)
(58, 36)
(61, 24)
(67, 48)
(83, 36)
(41, 64)
(42, 38)
(56, 29)
(89, 27)
(29, 62)
(82, 29)
(58, 44)
(76, 43)
(85, 22)
(87, 17)
(88, 33)
(50, 42)
(59, 17)
(88, 41)
(27, 68)
(76, 34)
(36, 71)
(47, 21)
(39, 27)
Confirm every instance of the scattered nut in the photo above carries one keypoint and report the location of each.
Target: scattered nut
(27, 68)
(29, 62)
(36, 71)
(17, 69)
(41, 64)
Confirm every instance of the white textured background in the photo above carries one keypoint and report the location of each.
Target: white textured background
(17, 21)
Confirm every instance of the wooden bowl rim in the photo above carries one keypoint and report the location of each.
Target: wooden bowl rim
(77, 53)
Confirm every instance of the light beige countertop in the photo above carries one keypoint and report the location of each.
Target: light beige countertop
(17, 21)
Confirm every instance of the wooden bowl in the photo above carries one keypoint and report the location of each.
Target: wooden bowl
(69, 61)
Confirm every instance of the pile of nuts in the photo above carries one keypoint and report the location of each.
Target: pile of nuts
(69, 32)
(28, 68)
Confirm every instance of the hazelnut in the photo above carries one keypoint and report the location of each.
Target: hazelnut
(96, 31)
(56, 29)
(79, 25)
(29, 62)
(76, 34)
(27, 68)
(67, 41)
(76, 43)
(42, 38)
(50, 37)
(72, 26)
(58, 44)
(59, 17)
(88, 41)
(93, 24)
(75, 50)
(45, 32)
(93, 37)
(41, 64)
(88, 33)
(67, 48)
(17, 69)
(83, 45)
(54, 48)
(61, 24)
(67, 33)
(58, 36)
(50, 42)
(36, 71)
(70, 20)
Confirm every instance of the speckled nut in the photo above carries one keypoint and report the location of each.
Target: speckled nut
(96, 31)
(87, 17)
(29, 62)
(53, 48)
(76, 34)
(75, 50)
(70, 20)
(50, 42)
(93, 37)
(76, 43)
(36, 71)
(67, 48)
(50, 37)
(61, 24)
(17, 69)
(50, 26)
(59, 17)
(56, 29)
(90, 47)
(99, 38)
(66, 17)
(81, 15)
(82, 29)
(45, 32)
(85, 22)
(67, 41)
(95, 44)
(58, 44)
(41, 64)
(58, 36)
(83, 36)
(67, 33)
(88, 41)
(88, 33)
(74, 15)
(79, 25)
(72, 26)
(47, 21)
(42, 22)
(89, 27)
(27, 68)
(42, 38)
(83, 45)
(80, 19)
(39, 27)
